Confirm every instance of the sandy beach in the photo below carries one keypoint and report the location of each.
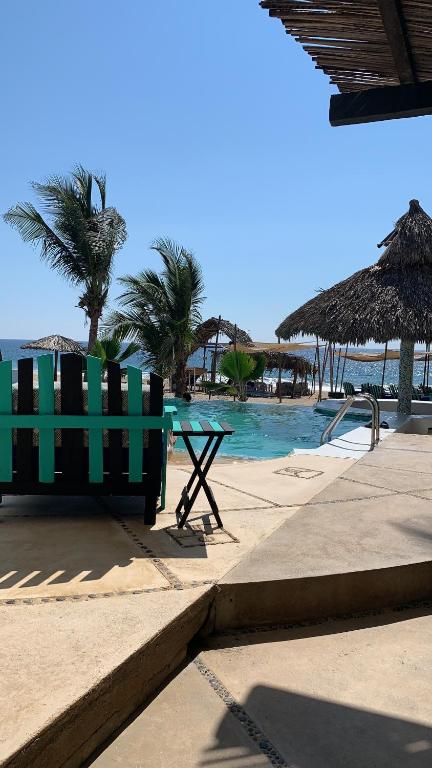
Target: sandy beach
(308, 400)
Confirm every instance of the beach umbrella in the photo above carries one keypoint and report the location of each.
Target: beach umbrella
(391, 299)
(55, 344)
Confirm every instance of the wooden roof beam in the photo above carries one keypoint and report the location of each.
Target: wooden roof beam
(383, 103)
(394, 25)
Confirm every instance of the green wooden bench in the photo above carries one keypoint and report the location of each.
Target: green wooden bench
(82, 438)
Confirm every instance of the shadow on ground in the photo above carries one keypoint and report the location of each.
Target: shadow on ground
(314, 733)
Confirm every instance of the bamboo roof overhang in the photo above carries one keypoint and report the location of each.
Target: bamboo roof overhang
(377, 52)
(263, 346)
(376, 357)
(390, 300)
(209, 328)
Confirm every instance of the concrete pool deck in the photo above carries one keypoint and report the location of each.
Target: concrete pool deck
(96, 610)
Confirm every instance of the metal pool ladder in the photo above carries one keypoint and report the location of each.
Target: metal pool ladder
(345, 407)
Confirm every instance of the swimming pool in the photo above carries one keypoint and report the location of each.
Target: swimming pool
(263, 430)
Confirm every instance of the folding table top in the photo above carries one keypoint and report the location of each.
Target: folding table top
(201, 428)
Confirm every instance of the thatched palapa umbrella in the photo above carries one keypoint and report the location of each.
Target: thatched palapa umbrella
(55, 344)
(390, 300)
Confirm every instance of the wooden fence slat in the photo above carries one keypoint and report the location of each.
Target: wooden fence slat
(5, 433)
(46, 407)
(72, 450)
(115, 453)
(25, 470)
(95, 436)
(134, 378)
(155, 463)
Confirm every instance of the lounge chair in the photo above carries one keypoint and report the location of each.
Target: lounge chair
(376, 391)
(83, 438)
(348, 389)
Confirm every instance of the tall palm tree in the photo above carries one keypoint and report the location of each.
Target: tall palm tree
(162, 311)
(79, 238)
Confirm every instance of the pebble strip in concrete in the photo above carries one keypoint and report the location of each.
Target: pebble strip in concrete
(254, 732)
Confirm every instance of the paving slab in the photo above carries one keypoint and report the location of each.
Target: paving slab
(396, 480)
(339, 694)
(405, 442)
(344, 489)
(327, 538)
(227, 497)
(201, 551)
(72, 672)
(281, 481)
(67, 547)
(345, 550)
(388, 456)
(187, 726)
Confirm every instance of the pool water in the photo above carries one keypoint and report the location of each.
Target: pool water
(262, 431)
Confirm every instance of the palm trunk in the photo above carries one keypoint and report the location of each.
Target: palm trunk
(180, 379)
(93, 332)
(405, 376)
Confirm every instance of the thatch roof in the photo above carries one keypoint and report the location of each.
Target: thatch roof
(362, 44)
(389, 300)
(285, 362)
(210, 327)
(54, 344)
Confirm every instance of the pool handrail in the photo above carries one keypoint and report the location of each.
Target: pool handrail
(327, 432)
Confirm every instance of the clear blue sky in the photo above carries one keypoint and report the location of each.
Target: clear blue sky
(211, 125)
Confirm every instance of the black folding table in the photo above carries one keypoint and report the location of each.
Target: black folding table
(215, 432)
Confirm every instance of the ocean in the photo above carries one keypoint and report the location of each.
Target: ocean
(355, 372)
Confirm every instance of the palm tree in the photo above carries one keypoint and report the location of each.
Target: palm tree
(79, 238)
(161, 311)
(109, 349)
(240, 368)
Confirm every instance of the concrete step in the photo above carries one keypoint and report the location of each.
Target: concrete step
(347, 693)
(73, 672)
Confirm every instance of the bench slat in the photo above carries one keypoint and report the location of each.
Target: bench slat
(114, 409)
(46, 407)
(24, 442)
(72, 440)
(5, 433)
(156, 456)
(95, 436)
(134, 378)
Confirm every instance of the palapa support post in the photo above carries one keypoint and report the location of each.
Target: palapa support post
(214, 361)
(318, 358)
(406, 366)
(383, 370)
(280, 375)
(428, 364)
(343, 367)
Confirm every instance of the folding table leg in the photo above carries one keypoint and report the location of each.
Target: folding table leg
(193, 476)
(201, 481)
